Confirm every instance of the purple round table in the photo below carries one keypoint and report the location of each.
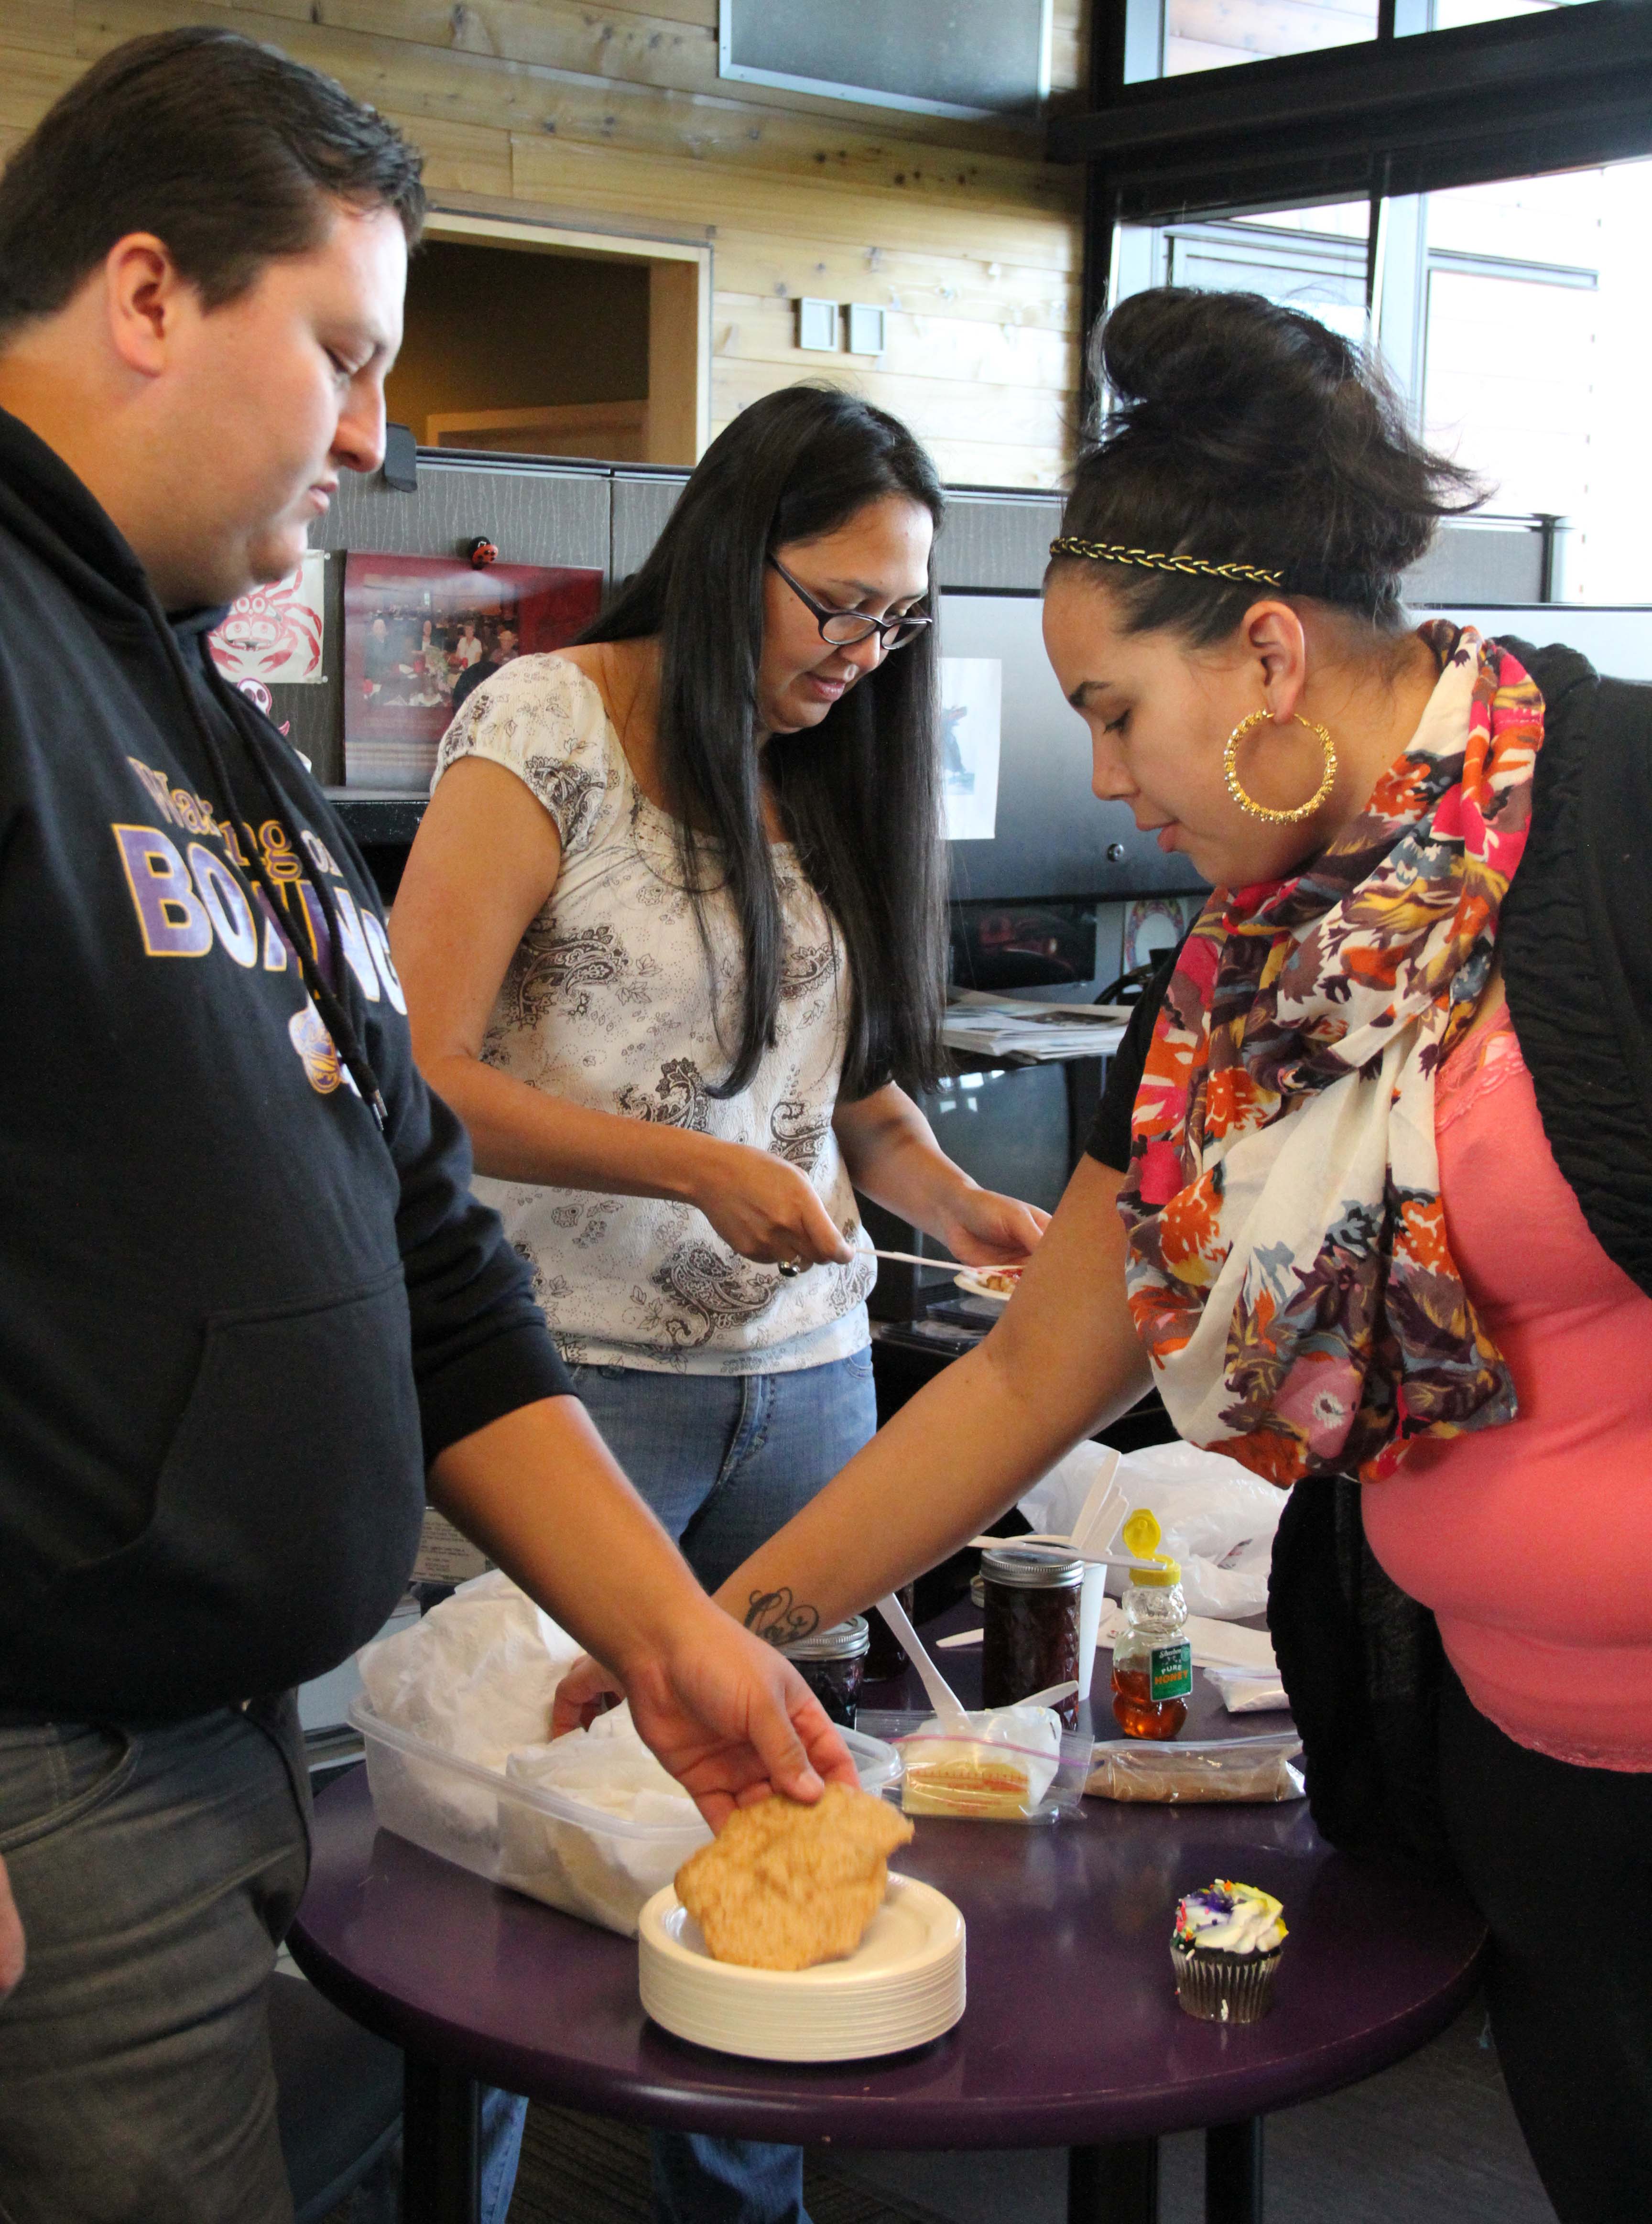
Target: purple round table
(1071, 2036)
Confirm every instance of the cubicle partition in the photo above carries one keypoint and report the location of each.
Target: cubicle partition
(1055, 894)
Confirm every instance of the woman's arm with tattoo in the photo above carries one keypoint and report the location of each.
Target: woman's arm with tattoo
(1063, 1361)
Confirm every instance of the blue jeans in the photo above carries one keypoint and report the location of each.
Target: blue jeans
(725, 1461)
(154, 1870)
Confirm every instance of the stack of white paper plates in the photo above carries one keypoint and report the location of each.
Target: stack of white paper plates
(903, 1985)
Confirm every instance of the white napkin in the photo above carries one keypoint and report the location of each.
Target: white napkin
(1248, 1695)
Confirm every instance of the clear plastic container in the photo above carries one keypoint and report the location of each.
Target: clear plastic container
(571, 1854)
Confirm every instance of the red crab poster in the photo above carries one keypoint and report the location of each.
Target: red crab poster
(417, 627)
(274, 635)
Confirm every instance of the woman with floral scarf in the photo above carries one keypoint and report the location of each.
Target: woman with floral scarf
(1370, 1200)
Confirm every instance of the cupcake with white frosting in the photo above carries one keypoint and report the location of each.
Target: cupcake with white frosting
(1224, 1951)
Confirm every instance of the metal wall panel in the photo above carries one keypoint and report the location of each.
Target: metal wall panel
(532, 513)
(997, 540)
(1480, 563)
(642, 503)
(953, 57)
(989, 541)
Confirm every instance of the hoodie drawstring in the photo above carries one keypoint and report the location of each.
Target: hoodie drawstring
(332, 1007)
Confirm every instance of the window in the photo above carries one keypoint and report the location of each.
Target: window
(1527, 356)
(1454, 14)
(1514, 317)
(1314, 259)
(1201, 34)
(1177, 38)
(1479, 211)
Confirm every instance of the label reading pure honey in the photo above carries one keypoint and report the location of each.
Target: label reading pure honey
(1170, 1674)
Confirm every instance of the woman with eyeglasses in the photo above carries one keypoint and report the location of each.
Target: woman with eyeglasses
(671, 936)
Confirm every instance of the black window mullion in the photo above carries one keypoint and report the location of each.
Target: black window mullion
(1562, 91)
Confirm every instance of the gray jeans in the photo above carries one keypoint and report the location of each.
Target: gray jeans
(154, 1869)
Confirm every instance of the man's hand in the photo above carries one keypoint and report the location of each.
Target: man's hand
(539, 1491)
(11, 1936)
(588, 1690)
(731, 1719)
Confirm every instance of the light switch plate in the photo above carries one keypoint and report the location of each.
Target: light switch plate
(817, 326)
(867, 330)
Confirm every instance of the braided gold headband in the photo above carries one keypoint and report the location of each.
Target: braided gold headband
(1107, 552)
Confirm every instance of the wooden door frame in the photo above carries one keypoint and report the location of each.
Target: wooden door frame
(680, 311)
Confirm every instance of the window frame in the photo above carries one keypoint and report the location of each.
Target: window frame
(1407, 113)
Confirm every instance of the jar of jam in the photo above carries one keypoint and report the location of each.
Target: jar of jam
(1031, 1637)
(831, 1663)
(887, 1657)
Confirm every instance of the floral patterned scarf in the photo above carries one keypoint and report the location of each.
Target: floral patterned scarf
(1288, 1269)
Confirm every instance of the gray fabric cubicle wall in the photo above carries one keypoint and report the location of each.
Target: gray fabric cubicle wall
(608, 516)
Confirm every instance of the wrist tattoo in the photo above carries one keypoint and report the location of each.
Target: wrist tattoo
(779, 1619)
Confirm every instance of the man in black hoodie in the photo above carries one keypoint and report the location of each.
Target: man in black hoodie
(248, 1310)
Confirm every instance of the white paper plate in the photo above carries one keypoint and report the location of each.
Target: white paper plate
(903, 1985)
(970, 1287)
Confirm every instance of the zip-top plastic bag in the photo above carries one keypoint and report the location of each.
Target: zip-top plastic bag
(1015, 1765)
(1253, 1770)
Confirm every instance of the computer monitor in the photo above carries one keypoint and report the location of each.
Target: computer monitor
(1045, 833)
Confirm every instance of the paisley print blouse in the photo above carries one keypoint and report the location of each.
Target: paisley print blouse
(608, 1002)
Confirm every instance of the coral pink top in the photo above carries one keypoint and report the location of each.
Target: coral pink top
(1533, 1543)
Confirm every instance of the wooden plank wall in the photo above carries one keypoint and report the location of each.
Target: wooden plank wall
(576, 111)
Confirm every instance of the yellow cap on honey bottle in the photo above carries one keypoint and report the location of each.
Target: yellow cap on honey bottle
(1142, 1535)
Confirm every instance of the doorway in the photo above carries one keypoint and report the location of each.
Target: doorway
(521, 340)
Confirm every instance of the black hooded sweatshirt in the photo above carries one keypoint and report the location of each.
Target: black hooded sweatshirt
(237, 1317)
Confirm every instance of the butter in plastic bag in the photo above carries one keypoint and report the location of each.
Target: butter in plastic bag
(1015, 1765)
(1257, 1770)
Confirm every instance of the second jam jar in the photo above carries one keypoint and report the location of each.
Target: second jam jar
(831, 1663)
(1031, 1638)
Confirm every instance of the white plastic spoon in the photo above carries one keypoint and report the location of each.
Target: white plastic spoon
(949, 1708)
(1052, 1698)
(1041, 1540)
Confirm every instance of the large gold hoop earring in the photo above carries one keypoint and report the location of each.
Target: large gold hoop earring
(1248, 803)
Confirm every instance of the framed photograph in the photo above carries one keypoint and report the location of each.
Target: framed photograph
(421, 629)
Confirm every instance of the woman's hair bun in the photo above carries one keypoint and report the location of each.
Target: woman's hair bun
(1222, 363)
(1238, 431)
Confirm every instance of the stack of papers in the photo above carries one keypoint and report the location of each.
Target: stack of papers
(1010, 1027)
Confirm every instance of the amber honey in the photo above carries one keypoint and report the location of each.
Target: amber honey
(1137, 1713)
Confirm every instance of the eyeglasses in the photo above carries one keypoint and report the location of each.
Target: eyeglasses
(843, 629)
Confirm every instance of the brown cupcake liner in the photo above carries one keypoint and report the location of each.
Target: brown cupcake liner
(1218, 1986)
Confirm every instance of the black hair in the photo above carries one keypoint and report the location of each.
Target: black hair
(858, 793)
(1239, 432)
(223, 148)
